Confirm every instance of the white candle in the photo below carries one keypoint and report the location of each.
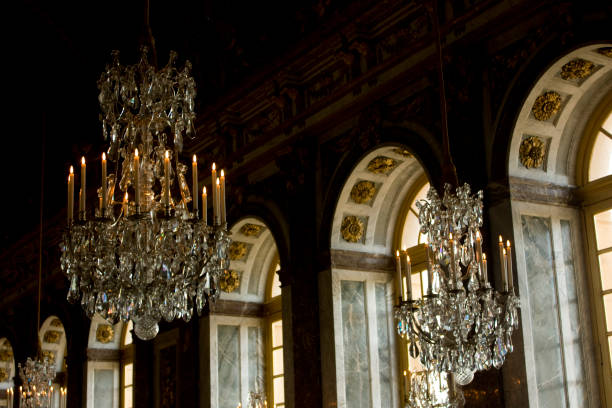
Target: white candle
(125, 205)
(407, 270)
(452, 268)
(222, 197)
(104, 185)
(479, 254)
(505, 275)
(194, 173)
(509, 266)
(502, 260)
(70, 195)
(214, 193)
(484, 267)
(83, 191)
(166, 200)
(430, 264)
(398, 270)
(217, 204)
(204, 206)
(137, 180)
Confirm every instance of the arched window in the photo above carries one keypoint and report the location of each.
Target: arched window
(7, 373)
(53, 345)
(274, 324)
(597, 203)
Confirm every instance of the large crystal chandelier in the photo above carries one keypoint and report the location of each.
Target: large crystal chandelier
(462, 324)
(145, 255)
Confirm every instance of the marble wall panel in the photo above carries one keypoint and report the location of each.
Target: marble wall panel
(355, 339)
(384, 349)
(228, 338)
(103, 388)
(572, 331)
(544, 311)
(256, 360)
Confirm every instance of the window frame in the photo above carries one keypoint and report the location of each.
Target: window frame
(273, 313)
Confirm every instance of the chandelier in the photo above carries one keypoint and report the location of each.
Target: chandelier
(37, 377)
(431, 389)
(145, 255)
(462, 324)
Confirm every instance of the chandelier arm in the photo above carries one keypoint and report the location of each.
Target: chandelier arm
(416, 329)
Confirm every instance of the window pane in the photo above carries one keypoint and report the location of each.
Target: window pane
(279, 391)
(603, 229)
(410, 234)
(601, 158)
(610, 349)
(128, 333)
(605, 269)
(608, 123)
(128, 397)
(608, 309)
(277, 333)
(128, 374)
(276, 285)
(277, 362)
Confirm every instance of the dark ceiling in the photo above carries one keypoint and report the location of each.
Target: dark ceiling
(55, 52)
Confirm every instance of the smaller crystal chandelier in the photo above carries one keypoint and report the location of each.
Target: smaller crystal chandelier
(430, 389)
(37, 377)
(145, 255)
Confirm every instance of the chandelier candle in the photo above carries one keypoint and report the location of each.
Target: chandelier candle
(70, 195)
(167, 180)
(137, 180)
(502, 260)
(398, 270)
(104, 187)
(509, 266)
(406, 276)
(217, 202)
(194, 174)
(82, 193)
(214, 192)
(204, 206)
(222, 197)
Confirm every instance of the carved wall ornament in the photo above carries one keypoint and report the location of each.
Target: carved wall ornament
(381, 165)
(6, 355)
(50, 355)
(52, 336)
(352, 229)
(363, 192)
(251, 230)
(402, 152)
(4, 375)
(546, 105)
(56, 323)
(230, 281)
(237, 250)
(577, 69)
(607, 51)
(532, 152)
(105, 333)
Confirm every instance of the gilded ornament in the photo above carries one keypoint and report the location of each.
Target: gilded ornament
(352, 229)
(251, 230)
(363, 192)
(49, 355)
(577, 69)
(402, 152)
(532, 152)
(56, 323)
(105, 333)
(546, 105)
(52, 336)
(6, 355)
(607, 51)
(4, 376)
(237, 250)
(230, 281)
(381, 165)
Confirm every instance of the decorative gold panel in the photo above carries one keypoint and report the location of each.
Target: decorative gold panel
(363, 192)
(56, 323)
(381, 165)
(352, 229)
(532, 152)
(52, 336)
(105, 333)
(546, 105)
(6, 355)
(402, 152)
(577, 69)
(4, 375)
(237, 250)
(251, 230)
(50, 355)
(230, 281)
(607, 51)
